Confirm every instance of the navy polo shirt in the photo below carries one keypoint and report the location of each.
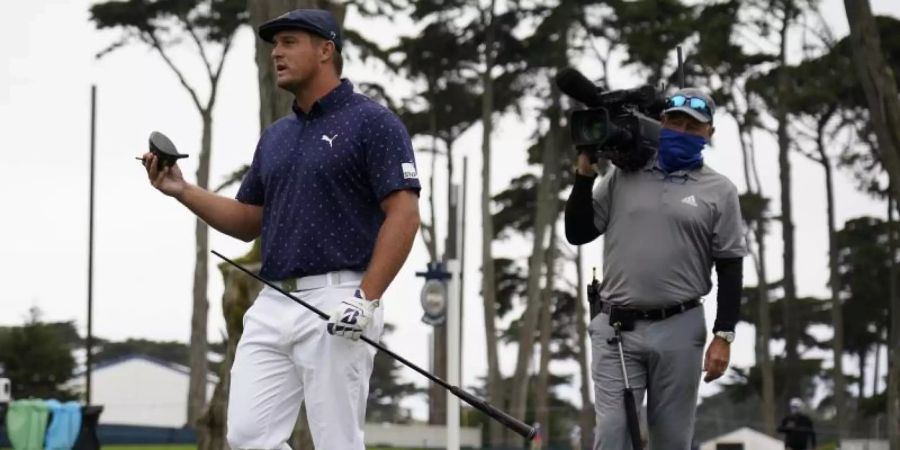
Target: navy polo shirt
(320, 178)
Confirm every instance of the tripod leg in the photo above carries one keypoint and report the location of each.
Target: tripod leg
(631, 416)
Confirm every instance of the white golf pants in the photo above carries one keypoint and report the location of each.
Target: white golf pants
(286, 357)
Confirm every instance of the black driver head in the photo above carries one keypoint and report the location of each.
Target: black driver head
(164, 149)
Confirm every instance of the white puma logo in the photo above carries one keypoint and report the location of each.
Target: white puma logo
(329, 139)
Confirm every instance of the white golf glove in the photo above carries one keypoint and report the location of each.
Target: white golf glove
(352, 317)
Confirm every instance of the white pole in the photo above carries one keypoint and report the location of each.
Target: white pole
(453, 333)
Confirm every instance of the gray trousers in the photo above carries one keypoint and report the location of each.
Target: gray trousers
(664, 360)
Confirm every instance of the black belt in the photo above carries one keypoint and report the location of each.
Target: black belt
(649, 314)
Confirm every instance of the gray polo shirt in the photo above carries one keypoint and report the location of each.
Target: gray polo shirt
(662, 233)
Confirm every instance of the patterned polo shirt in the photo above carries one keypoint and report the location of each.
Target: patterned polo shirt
(320, 178)
(663, 231)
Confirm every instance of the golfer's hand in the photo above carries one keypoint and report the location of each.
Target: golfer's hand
(717, 356)
(167, 180)
(352, 317)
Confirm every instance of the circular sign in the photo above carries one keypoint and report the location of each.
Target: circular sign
(434, 302)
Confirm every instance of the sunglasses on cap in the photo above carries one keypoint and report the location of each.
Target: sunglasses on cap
(695, 103)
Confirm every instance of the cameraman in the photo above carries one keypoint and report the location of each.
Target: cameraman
(666, 225)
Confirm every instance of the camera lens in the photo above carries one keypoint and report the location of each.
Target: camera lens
(593, 132)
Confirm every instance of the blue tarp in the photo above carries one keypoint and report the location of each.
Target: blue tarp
(64, 425)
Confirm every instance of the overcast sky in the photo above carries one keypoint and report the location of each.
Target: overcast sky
(144, 242)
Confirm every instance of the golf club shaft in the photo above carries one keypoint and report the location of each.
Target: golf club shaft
(507, 420)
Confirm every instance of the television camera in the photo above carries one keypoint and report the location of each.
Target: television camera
(617, 125)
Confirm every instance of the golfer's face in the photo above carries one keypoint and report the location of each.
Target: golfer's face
(295, 56)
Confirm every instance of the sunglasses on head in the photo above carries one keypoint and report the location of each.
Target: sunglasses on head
(695, 103)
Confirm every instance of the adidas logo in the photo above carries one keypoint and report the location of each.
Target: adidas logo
(690, 200)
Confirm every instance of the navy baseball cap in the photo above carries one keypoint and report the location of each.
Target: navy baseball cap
(316, 21)
(694, 102)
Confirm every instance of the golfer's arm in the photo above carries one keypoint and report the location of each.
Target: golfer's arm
(395, 239)
(225, 214)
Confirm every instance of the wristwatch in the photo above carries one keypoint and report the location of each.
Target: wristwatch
(727, 336)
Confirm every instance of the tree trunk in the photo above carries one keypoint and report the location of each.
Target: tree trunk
(437, 396)
(437, 410)
(862, 373)
(764, 335)
(763, 325)
(239, 293)
(586, 416)
(429, 234)
(893, 396)
(791, 388)
(877, 369)
(880, 86)
(837, 317)
(541, 410)
(199, 314)
(488, 273)
(275, 103)
(301, 438)
(546, 213)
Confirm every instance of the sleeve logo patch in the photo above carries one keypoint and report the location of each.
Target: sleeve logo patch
(409, 170)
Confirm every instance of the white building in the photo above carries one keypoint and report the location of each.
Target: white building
(140, 390)
(864, 444)
(743, 439)
(418, 435)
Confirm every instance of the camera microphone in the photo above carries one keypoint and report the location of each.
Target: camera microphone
(574, 84)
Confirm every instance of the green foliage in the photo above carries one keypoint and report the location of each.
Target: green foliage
(745, 384)
(863, 264)
(754, 208)
(171, 351)
(37, 358)
(563, 414)
(827, 86)
(564, 334)
(207, 20)
(809, 311)
(516, 206)
(650, 31)
(386, 391)
(510, 284)
(446, 56)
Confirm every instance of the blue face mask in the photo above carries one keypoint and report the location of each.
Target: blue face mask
(679, 151)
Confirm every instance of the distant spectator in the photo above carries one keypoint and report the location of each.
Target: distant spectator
(797, 428)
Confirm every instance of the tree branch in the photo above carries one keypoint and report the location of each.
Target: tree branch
(196, 39)
(214, 77)
(799, 149)
(151, 38)
(804, 130)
